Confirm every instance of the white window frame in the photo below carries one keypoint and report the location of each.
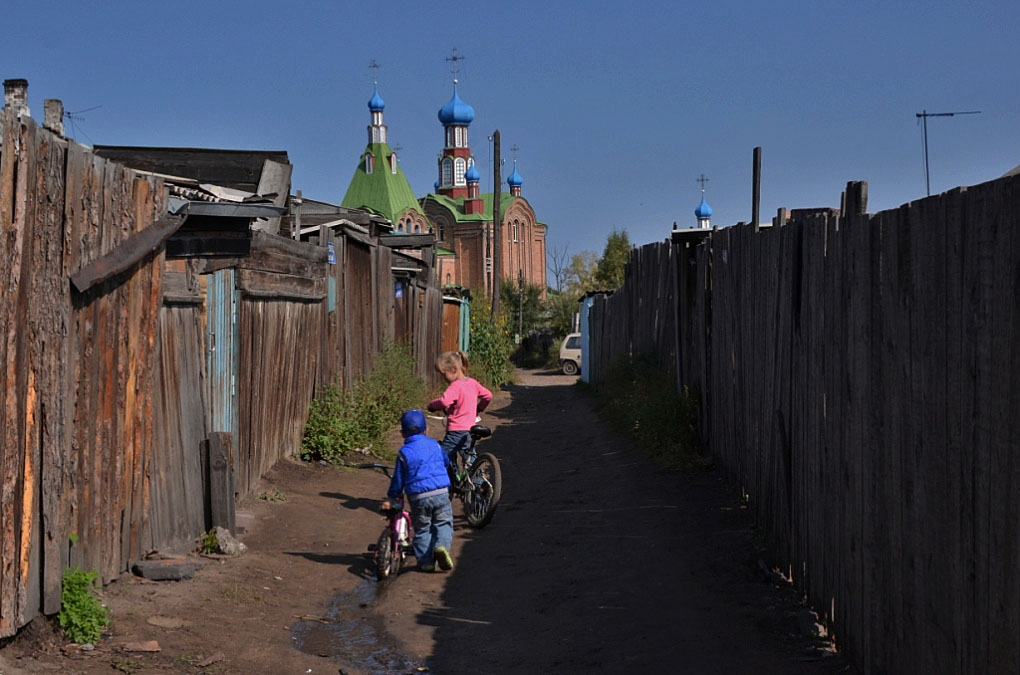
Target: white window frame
(393, 163)
(459, 169)
(447, 176)
(369, 163)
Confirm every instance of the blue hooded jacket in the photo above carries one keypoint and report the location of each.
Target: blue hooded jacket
(421, 467)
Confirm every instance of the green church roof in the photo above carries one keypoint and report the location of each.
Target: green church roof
(456, 207)
(381, 191)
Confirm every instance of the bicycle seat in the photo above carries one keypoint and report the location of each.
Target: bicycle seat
(479, 431)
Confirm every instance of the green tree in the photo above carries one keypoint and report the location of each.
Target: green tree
(609, 272)
(580, 277)
(510, 301)
(561, 308)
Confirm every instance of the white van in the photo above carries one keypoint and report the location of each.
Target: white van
(570, 354)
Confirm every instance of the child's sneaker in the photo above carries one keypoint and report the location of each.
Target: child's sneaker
(443, 558)
(426, 568)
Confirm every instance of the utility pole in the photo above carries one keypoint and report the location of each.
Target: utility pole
(924, 115)
(497, 240)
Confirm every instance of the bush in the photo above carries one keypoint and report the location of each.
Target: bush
(491, 346)
(640, 400)
(342, 421)
(81, 616)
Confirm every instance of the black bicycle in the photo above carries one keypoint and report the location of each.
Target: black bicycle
(478, 482)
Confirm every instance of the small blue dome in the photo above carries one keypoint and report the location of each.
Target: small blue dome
(376, 104)
(436, 186)
(456, 111)
(472, 175)
(514, 180)
(704, 211)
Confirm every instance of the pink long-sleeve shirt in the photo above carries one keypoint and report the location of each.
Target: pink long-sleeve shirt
(462, 401)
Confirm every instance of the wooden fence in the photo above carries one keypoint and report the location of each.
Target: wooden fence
(859, 375)
(109, 395)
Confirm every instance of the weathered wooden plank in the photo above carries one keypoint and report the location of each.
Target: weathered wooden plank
(31, 164)
(269, 260)
(259, 284)
(51, 338)
(127, 253)
(271, 243)
(221, 480)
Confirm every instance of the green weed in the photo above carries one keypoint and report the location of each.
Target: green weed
(273, 495)
(342, 421)
(208, 543)
(491, 345)
(640, 399)
(81, 617)
(126, 666)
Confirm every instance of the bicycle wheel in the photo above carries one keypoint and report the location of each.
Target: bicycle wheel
(485, 488)
(387, 563)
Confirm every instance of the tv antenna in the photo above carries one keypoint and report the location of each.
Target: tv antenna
(79, 116)
(924, 115)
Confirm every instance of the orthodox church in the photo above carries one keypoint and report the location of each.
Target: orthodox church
(379, 184)
(456, 212)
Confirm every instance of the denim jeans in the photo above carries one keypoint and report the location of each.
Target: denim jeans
(432, 519)
(453, 442)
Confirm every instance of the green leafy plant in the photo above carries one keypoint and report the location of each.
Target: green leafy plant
(273, 495)
(126, 665)
(491, 346)
(81, 617)
(343, 421)
(640, 399)
(209, 543)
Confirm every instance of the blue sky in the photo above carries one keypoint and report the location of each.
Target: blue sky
(616, 107)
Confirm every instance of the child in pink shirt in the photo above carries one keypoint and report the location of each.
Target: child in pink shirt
(462, 401)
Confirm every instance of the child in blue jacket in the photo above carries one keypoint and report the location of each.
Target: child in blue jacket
(421, 472)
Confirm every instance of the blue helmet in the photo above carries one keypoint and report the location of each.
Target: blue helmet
(412, 422)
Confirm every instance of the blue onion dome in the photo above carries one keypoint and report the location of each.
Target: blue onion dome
(376, 104)
(456, 111)
(436, 186)
(472, 175)
(514, 180)
(704, 210)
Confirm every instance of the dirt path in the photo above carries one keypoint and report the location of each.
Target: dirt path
(595, 562)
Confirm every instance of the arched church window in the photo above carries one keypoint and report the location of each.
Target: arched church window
(516, 224)
(449, 137)
(393, 163)
(458, 135)
(459, 167)
(447, 171)
(369, 163)
(447, 278)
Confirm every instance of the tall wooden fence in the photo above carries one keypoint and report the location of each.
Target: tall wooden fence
(110, 394)
(859, 376)
(77, 411)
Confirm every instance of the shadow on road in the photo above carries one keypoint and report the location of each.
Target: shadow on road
(358, 564)
(597, 561)
(351, 502)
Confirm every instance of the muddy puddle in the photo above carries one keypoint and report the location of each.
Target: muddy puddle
(346, 635)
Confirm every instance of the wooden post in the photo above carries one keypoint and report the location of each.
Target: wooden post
(496, 229)
(221, 481)
(755, 186)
